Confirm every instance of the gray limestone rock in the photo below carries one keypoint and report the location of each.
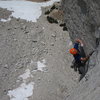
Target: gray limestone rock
(82, 18)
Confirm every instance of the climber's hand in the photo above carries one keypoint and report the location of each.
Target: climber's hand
(79, 41)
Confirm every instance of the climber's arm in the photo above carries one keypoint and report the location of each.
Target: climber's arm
(79, 41)
(85, 58)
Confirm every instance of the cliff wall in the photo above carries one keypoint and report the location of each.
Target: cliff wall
(82, 18)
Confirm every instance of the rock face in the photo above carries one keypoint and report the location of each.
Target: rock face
(89, 87)
(82, 18)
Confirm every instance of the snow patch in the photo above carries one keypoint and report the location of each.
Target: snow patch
(26, 75)
(5, 20)
(27, 10)
(22, 92)
(41, 65)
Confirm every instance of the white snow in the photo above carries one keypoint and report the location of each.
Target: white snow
(26, 90)
(41, 65)
(22, 92)
(26, 75)
(27, 10)
(5, 20)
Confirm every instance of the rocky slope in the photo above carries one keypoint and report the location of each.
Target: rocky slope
(82, 19)
(24, 48)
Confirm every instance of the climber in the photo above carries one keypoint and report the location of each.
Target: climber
(79, 55)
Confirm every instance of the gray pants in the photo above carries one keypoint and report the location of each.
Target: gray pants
(80, 66)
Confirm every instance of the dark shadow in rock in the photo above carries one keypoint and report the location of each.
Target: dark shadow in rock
(63, 24)
(92, 26)
(53, 7)
(65, 28)
(47, 12)
(82, 4)
(51, 20)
